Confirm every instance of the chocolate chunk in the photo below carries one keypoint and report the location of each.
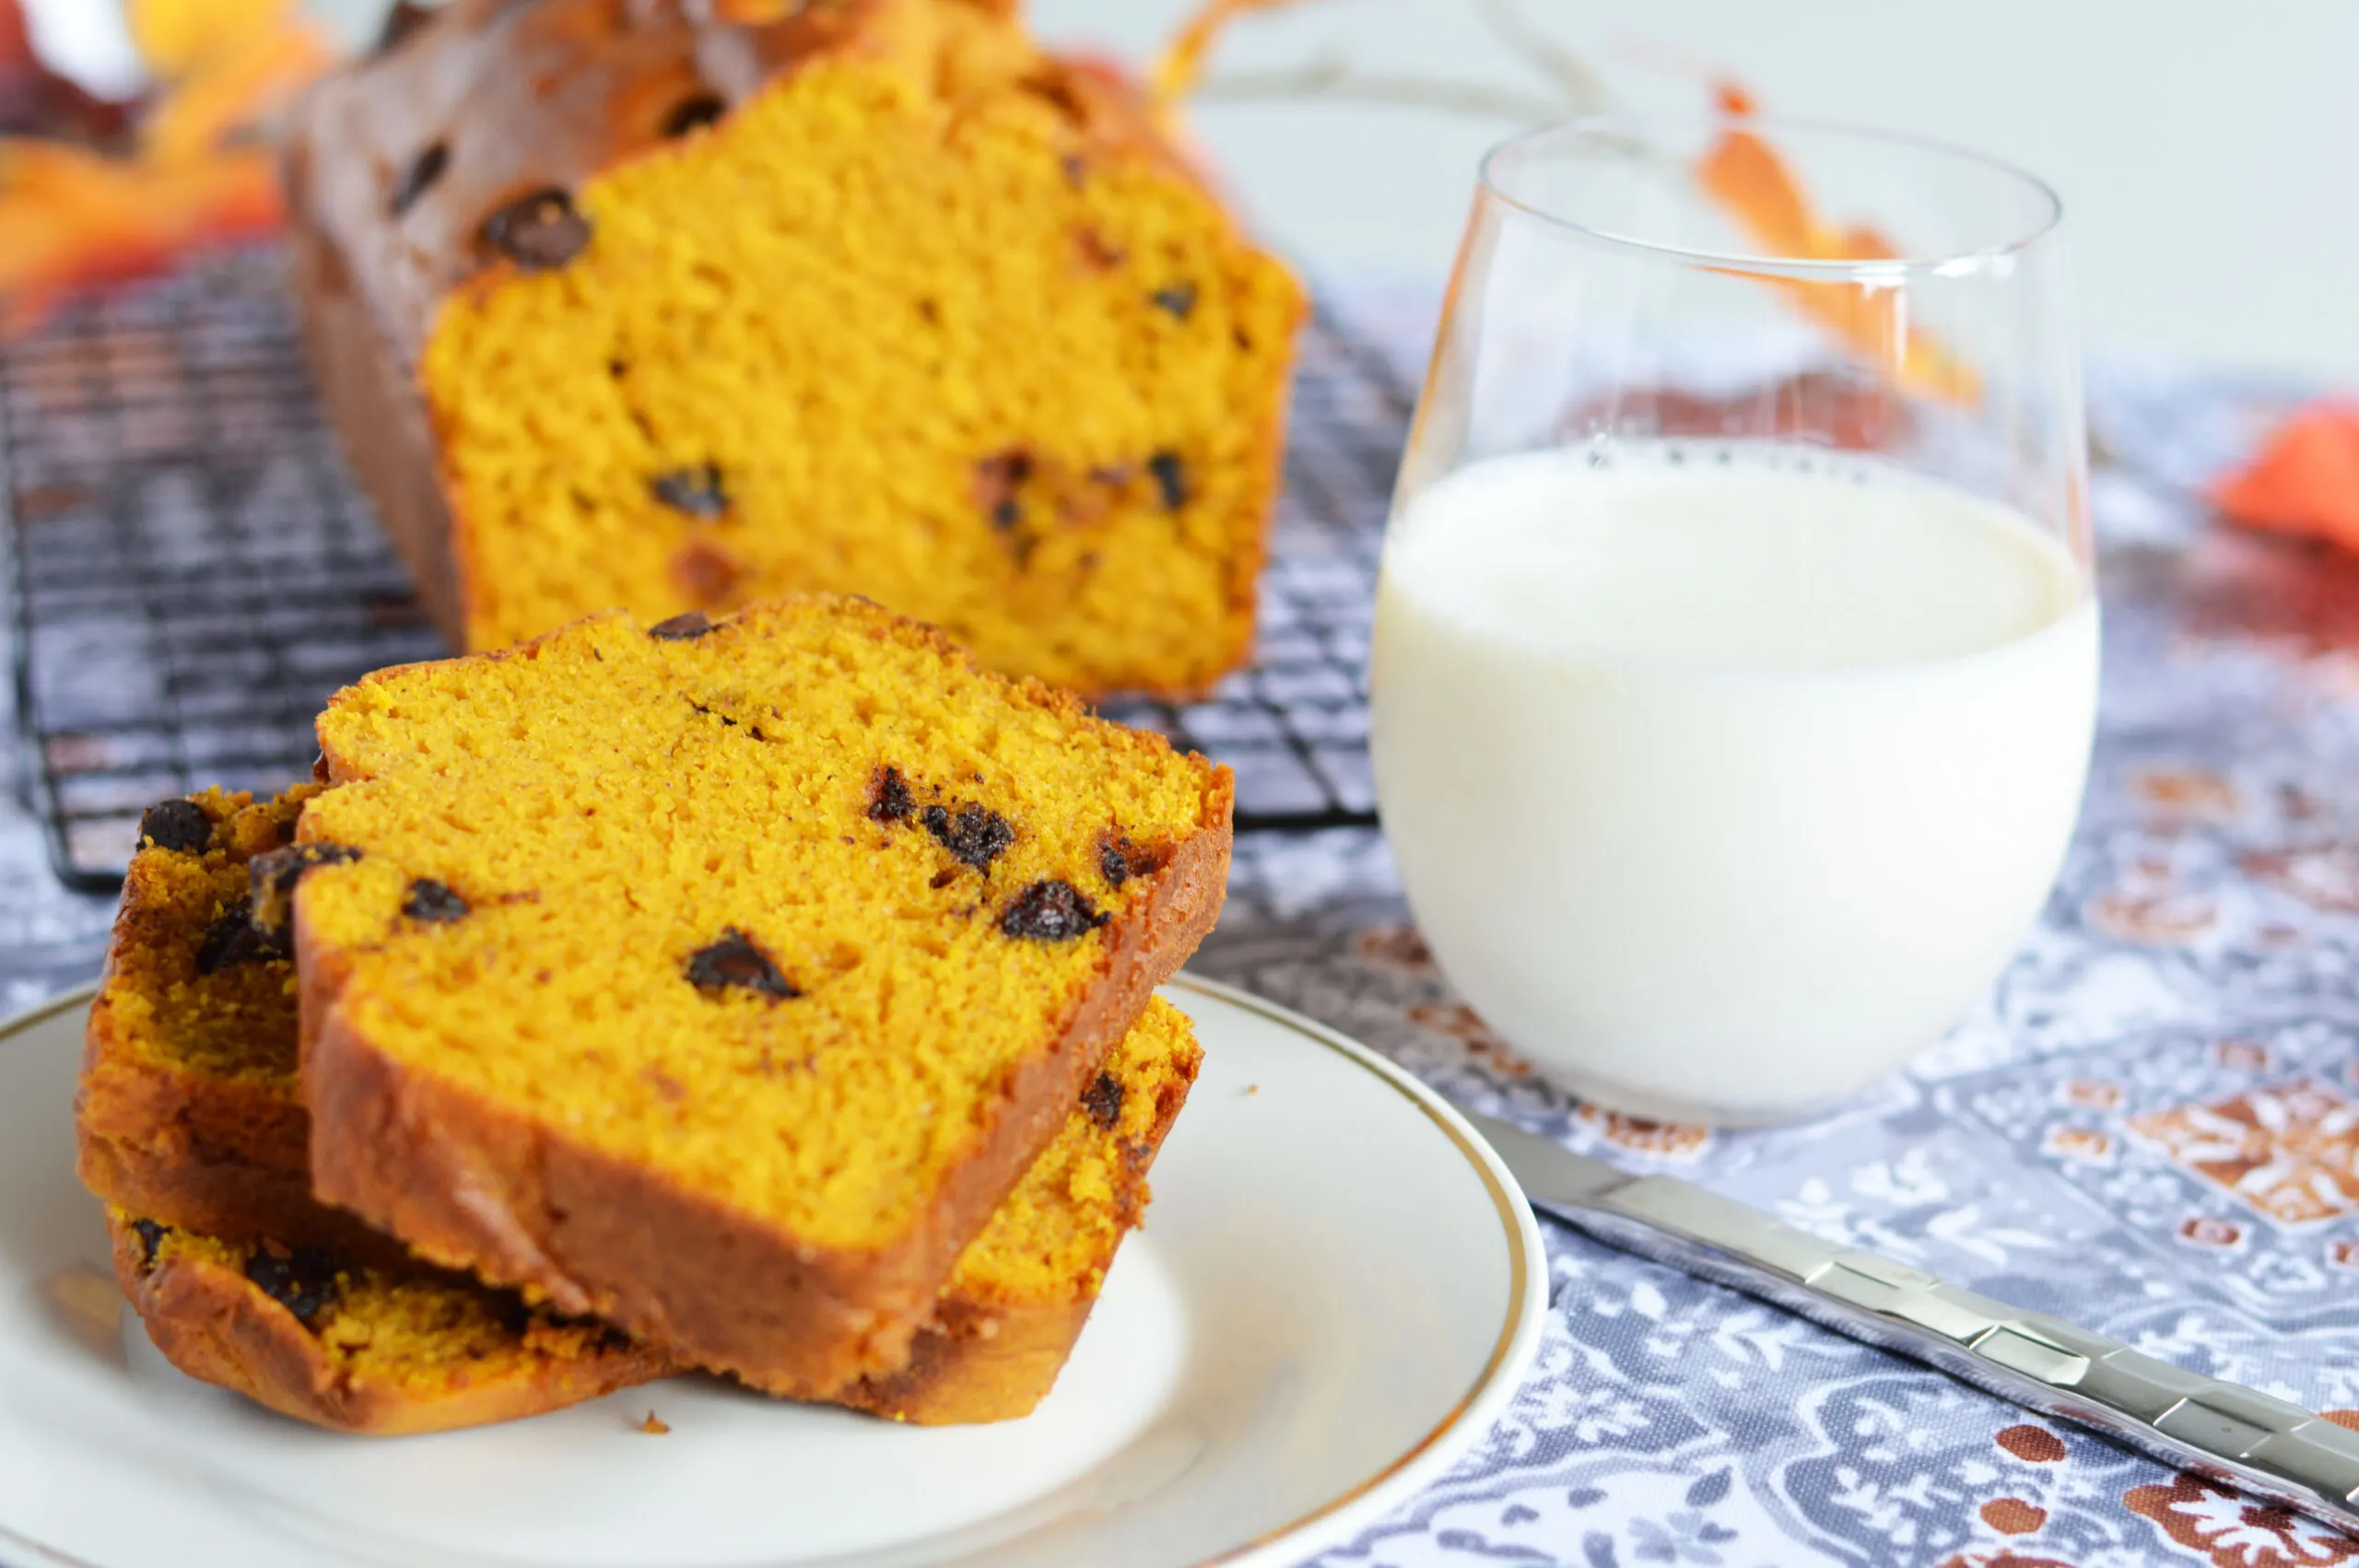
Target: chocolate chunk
(695, 491)
(304, 1280)
(271, 879)
(1006, 514)
(423, 172)
(231, 940)
(975, 835)
(735, 963)
(436, 903)
(1180, 300)
(1049, 911)
(151, 1236)
(890, 800)
(178, 825)
(1103, 1100)
(694, 114)
(539, 231)
(1114, 864)
(1171, 477)
(682, 629)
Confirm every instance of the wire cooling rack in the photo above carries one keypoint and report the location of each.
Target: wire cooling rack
(193, 571)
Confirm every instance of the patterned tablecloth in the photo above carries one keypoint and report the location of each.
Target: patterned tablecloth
(2151, 1127)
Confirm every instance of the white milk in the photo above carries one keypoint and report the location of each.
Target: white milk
(1724, 778)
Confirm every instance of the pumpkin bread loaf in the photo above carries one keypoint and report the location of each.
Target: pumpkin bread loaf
(383, 1350)
(674, 306)
(717, 978)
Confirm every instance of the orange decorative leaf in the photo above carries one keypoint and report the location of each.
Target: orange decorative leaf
(77, 217)
(2306, 479)
(1746, 175)
(177, 37)
(1182, 61)
(239, 85)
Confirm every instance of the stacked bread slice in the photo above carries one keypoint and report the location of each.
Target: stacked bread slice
(770, 996)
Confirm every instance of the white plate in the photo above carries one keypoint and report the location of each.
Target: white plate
(1336, 1291)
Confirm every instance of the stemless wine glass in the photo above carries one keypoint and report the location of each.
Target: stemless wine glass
(1736, 649)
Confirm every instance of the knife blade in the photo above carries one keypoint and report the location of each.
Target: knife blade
(2223, 1431)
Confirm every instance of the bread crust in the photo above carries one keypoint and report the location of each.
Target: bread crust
(216, 1326)
(469, 1183)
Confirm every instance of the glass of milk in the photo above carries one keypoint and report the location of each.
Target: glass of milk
(1736, 648)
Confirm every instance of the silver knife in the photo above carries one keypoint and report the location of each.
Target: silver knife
(2265, 1446)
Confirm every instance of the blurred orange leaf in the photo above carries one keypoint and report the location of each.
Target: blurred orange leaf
(1178, 69)
(2306, 479)
(78, 217)
(238, 85)
(177, 37)
(1746, 175)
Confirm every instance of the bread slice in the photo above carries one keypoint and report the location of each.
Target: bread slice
(672, 307)
(188, 1109)
(383, 1350)
(717, 978)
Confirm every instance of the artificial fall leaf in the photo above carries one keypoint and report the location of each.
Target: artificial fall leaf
(178, 37)
(1746, 175)
(76, 217)
(235, 86)
(2306, 479)
(1181, 63)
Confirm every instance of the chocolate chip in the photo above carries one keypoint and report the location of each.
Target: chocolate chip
(539, 231)
(889, 799)
(975, 835)
(423, 172)
(435, 902)
(1171, 477)
(1180, 300)
(1103, 1100)
(1114, 865)
(304, 1280)
(695, 491)
(271, 879)
(694, 114)
(151, 1236)
(734, 963)
(1007, 514)
(1049, 911)
(682, 629)
(181, 827)
(231, 939)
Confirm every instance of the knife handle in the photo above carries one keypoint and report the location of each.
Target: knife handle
(2224, 1430)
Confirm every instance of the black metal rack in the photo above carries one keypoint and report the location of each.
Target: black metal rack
(193, 571)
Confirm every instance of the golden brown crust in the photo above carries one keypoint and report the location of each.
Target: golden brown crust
(215, 1325)
(976, 1362)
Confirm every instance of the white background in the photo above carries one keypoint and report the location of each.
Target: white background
(2206, 150)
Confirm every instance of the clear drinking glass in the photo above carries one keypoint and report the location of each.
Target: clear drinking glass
(1736, 648)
